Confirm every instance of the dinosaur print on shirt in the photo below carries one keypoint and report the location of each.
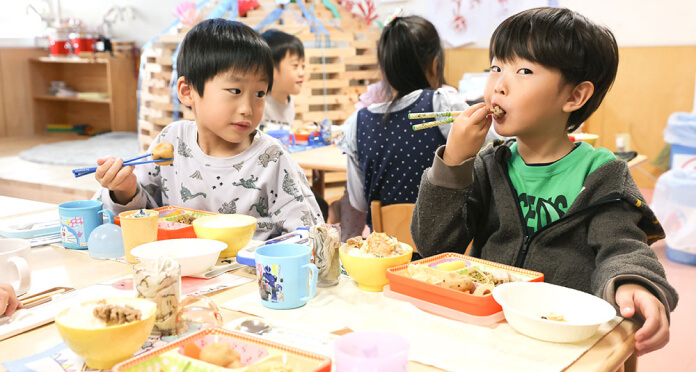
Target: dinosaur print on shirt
(248, 184)
(290, 188)
(184, 150)
(187, 195)
(272, 154)
(229, 207)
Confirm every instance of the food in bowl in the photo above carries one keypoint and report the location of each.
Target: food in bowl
(102, 343)
(524, 304)
(235, 230)
(376, 245)
(367, 263)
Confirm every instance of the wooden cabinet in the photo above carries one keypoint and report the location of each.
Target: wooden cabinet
(115, 76)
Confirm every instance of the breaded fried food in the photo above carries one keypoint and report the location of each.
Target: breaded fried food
(163, 150)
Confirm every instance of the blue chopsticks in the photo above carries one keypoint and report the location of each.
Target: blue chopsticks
(79, 172)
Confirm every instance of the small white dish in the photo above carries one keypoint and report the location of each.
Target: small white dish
(524, 304)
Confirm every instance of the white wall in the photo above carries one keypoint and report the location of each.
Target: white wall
(634, 22)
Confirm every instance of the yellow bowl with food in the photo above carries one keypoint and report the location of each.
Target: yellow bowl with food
(235, 230)
(102, 345)
(584, 137)
(367, 261)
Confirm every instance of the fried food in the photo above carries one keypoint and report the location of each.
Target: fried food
(497, 111)
(163, 150)
(221, 354)
(376, 245)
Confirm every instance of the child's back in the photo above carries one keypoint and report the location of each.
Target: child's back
(386, 156)
(221, 162)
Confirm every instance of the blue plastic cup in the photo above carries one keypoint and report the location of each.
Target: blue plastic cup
(106, 241)
(77, 220)
(283, 274)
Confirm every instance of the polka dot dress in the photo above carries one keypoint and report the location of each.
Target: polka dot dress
(394, 156)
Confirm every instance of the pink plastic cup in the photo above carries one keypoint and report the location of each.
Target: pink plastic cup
(371, 352)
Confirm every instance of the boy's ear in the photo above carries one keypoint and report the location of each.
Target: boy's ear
(579, 96)
(185, 91)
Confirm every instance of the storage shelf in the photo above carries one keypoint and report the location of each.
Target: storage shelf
(71, 60)
(73, 99)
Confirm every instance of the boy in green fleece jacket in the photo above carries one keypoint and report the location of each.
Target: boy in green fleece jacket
(542, 202)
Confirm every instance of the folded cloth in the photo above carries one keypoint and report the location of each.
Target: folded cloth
(435, 341)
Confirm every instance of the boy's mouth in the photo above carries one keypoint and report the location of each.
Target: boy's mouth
(242, 125)
(498, 111)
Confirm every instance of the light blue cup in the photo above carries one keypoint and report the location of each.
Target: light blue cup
(77, 220)
(283, 274)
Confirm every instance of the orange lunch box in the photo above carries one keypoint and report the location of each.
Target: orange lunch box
(400, 282)
(168, 228)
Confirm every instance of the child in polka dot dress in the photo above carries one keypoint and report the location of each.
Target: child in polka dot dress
(386, 158)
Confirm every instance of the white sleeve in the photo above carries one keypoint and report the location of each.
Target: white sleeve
(355, 177)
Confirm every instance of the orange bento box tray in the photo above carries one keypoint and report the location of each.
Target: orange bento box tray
(168, 228)
(252, 349)
(485, 305)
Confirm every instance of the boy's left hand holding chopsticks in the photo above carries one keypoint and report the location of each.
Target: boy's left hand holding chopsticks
(467, 134)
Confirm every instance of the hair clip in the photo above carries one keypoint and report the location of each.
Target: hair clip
(397, 13)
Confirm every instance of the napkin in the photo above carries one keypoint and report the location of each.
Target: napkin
(435, 341)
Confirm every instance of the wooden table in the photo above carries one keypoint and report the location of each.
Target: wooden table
(56, 266)
(321, 160)
(637, 161)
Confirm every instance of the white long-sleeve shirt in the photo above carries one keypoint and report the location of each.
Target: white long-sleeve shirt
(263, 181)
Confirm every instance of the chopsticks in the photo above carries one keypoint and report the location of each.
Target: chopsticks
(431, 124)
(42, 296)
(79, 172)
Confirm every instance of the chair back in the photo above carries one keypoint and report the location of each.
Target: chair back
(394, 220)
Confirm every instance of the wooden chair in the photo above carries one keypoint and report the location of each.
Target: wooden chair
(394, 220)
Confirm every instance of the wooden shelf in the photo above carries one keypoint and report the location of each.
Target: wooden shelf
(114, 75)
(71, 60)
(73, 99)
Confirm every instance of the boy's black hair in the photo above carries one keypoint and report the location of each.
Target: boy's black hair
(282, 43)
(217, 46)
(405, 52)
(565, 40)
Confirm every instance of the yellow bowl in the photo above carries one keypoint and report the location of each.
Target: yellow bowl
(235, 230)
(371, 272)
(104, 347)
(585, 137)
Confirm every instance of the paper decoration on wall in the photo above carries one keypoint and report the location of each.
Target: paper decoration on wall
(461, 22)
(364, 9)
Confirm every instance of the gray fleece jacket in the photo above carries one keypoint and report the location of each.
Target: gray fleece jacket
(601, 242)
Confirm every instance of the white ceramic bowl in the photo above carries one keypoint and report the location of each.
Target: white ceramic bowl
(194, 255)
(525, 302)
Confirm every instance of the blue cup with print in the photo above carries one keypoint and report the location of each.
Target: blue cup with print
(286, 276)
(285, 137)
(77, 220)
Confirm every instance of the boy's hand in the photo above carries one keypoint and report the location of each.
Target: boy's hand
(636, 301)
(112, 175)
(467, 135)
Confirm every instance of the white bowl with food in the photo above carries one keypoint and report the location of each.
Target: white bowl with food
(195, 256)
(551, 312)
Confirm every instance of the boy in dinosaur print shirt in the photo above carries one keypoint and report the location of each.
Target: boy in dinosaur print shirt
(221, 163)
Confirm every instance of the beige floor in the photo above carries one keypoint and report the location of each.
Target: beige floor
(40, 182)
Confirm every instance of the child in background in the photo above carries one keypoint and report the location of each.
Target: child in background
(542, 202)
(222, 163)
(385, 156)
(288, 77)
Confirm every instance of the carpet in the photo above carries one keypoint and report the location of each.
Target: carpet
(123, 145)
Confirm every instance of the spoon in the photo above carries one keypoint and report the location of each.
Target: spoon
(255, 326)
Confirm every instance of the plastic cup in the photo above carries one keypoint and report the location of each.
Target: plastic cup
(371, 352)
(138, 230)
